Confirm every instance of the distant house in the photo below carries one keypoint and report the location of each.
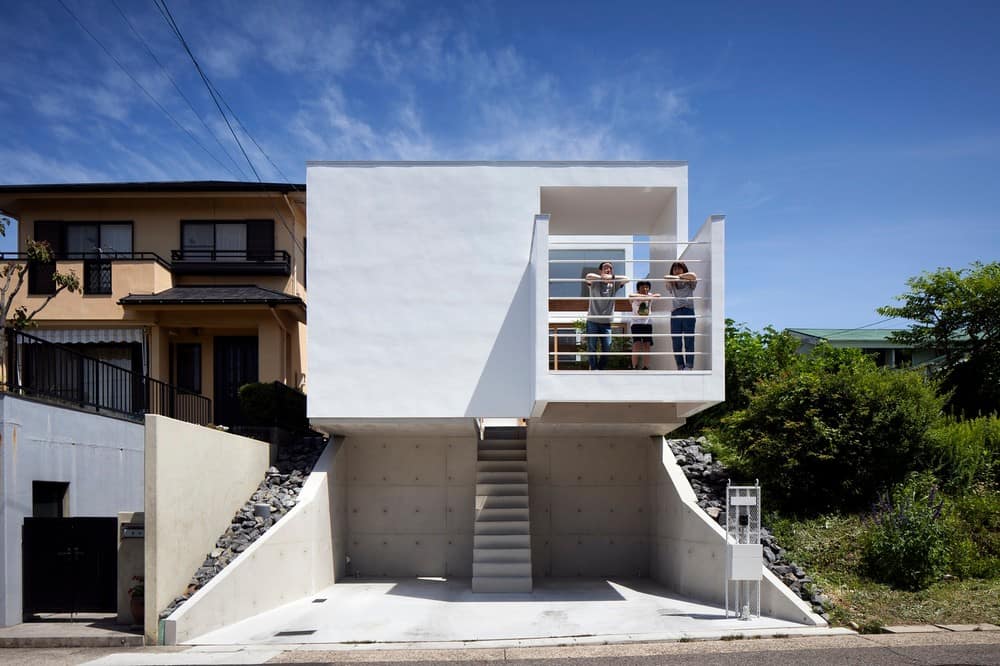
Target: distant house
(875, 342)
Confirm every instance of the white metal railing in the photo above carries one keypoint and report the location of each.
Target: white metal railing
(568, 335)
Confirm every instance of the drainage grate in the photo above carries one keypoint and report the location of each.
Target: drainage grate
(318, 601)
(303, 632)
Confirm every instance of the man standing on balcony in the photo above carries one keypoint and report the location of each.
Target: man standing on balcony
(602, 287)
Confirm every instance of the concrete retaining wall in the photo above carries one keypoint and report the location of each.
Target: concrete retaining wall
(196, 480)
(688, 548)
(301, 554)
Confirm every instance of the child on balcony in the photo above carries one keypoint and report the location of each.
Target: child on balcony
(681, 283)
(642, 325)
(602, 287)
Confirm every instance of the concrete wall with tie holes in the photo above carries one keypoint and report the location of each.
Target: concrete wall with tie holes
(590, 510)
(410, 505)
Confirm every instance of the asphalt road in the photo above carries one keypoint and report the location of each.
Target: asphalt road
(943, 649)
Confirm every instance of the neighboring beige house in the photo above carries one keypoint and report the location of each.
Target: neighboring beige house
(200, 285)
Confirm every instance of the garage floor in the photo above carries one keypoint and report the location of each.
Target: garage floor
(436, 611)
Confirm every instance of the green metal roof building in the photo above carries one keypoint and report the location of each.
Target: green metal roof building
(874, 341)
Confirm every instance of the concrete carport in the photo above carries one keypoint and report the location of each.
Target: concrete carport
(618, 547)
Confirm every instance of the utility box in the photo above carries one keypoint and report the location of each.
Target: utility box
(744, 553)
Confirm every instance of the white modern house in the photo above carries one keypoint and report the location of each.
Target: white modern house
(468, 441)
(471, 444)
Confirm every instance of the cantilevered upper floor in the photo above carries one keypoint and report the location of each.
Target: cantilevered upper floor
(459, 289)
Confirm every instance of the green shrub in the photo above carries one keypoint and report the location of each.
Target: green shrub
(966, 452)
(274, 405)
(975, 551)
(906, 545)
(829, 433)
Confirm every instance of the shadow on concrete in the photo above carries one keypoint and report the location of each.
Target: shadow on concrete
(546, 590)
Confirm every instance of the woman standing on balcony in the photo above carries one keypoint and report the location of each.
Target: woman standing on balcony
(681, 283)
(602, 307)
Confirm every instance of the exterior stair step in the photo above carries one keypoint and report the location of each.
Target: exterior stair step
(502, 466)
(502, 527)
(502, 502)
(502, 555)
(491, 569)
(505, 432)
(502, 454)
(500, 541)
(497, 489)
(498, 515)
(502, 584)
(520, 477)
(513, 444)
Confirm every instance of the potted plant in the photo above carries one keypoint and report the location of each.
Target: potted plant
(137, 599)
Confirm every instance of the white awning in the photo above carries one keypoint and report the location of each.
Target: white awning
(87, 335)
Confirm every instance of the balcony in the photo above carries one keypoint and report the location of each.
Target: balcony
(665, 391)
(57, 374)
(230, 262)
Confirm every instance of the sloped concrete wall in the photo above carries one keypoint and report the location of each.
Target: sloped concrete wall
(196, 479)
(590, 511)
(688, 548)
(410, 505)
(301, 554)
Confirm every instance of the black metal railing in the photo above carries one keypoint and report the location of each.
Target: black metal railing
(41, 369)
(230, 261)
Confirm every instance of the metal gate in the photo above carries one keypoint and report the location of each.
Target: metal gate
(70, 565)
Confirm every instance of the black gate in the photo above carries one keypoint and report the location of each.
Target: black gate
(70, 565)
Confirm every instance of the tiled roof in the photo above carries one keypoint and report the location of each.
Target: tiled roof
(214, 295)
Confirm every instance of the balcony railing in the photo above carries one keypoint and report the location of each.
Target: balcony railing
(41, 369)
(231, 262)
(678, 337)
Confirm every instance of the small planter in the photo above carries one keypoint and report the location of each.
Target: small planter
(137, 605)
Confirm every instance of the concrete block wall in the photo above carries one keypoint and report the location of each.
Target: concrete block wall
(410, 505)
(590, 510)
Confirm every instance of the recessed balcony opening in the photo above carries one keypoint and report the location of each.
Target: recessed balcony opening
(642, 234)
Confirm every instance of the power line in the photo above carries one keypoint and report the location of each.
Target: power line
(216, 96)
(143, 89)
(177, 87)
(173, 24)
(851, 330)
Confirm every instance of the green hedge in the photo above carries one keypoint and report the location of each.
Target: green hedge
(274, 405)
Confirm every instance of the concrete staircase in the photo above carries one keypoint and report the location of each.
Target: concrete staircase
(501, 559)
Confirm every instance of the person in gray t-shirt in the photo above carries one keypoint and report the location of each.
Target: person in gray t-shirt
(681, 284)
(602, 287)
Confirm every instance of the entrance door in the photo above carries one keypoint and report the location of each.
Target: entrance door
(236, 364)
(70, 565)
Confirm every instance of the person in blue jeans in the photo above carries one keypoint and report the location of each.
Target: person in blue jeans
(681, 282)
(602, 287)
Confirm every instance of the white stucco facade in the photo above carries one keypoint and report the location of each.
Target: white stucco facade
(430, 289)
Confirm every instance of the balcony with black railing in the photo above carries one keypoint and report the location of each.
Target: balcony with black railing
(55, 373)
(230, 262)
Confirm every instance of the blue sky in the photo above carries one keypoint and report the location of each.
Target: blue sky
(852, 145)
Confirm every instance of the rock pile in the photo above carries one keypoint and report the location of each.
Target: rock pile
(274, 497)
(708, 479)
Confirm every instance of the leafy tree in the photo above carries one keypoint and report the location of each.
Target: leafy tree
(958, 314)
(12, 276)
(830, 431)
(750, 358)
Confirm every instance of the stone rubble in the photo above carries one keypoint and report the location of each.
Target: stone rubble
(708, 478)
(274, 497)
